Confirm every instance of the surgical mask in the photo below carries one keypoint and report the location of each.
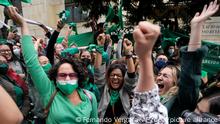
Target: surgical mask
(47, 67)
(86, 61)
(3, 68)
(160, 64)
(171, 51)
(17, 52)
(67, 87)
(154, 54)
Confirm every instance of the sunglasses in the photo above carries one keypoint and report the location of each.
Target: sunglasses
(64, 75)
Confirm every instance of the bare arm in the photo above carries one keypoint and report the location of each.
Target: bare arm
(98, 58)
(191, 61)
(145, 36)
(9, 112)
(197, 23)
(128, 53)
(65, 40)
(146, 92)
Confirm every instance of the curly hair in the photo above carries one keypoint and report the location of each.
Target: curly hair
(77, 67)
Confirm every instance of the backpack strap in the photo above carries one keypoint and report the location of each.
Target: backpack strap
(88, 95)
(46, 110)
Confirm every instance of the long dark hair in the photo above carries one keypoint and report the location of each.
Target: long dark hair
(113, 66)
(16, 58)
(77, 67)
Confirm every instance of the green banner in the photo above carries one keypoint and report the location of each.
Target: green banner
(81, 39)
(211, 63)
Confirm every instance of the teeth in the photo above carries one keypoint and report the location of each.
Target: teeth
(159, 82)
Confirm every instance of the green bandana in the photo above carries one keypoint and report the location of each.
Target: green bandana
(85, 82)
(104, 58)
(3, 68)
(204, 74)
(47, 67)
(100, 49)
(69, 52)
(114, 97)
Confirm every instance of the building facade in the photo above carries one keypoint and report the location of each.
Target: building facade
(46, 12)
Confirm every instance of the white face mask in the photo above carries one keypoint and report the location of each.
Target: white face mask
(154, 54)
(171, 51)
(71, 82)
(17, 52)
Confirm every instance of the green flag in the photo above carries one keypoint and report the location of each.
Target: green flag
(64, 15)
(83, 39)
(110, 15)
(27, 1)
(120, 16)
(5, 3)
(211, 63)
(113, 28)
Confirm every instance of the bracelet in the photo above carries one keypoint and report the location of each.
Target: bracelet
(195, 44)
(128, 56)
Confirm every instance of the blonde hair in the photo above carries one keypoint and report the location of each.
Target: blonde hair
(175, 74)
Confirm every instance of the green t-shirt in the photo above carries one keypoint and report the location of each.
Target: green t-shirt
(62, 111)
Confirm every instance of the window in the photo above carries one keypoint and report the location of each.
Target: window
(76, 13)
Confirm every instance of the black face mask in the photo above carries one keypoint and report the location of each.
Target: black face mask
(86, 61)
(3, 68)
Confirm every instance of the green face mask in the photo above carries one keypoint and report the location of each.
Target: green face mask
(3, 68)
(67, 87)
(47, 67)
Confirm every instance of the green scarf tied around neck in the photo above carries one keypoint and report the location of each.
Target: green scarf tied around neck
(114, 97)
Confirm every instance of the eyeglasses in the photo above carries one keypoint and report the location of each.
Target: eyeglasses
(5, 51)
(115, 75)
(64, 75)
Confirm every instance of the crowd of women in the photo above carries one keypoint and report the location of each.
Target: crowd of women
(101, 85)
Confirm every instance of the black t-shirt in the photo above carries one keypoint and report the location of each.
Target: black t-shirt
(118, 112)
